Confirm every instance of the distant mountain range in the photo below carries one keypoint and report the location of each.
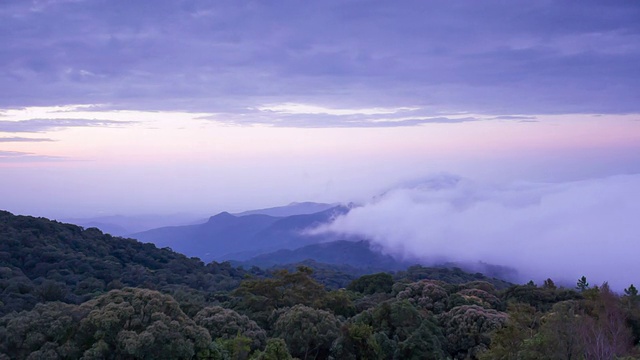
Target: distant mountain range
(241, 237)
(295, 208)
(121, 225)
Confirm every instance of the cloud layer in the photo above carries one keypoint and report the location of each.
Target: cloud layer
(44, 125)
(482, 57)
(562, 230)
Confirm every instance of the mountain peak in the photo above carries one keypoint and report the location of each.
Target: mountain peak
(221, 216)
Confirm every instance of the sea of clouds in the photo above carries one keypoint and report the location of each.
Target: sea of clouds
(544, 230)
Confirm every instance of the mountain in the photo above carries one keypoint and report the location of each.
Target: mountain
(357, 254)
(120, 225)
(295, 208)
(43, 260)
(359, 258)
(231, 237)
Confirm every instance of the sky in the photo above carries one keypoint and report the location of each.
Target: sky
(141, 107)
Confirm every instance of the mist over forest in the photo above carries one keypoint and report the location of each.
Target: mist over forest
(560, 230)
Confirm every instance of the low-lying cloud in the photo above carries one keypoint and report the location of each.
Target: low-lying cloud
(559, 230)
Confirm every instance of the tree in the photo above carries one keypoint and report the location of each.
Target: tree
(468, 329)
(308, 332)
(520, 328)
(259, 297)
(276, 349)
(549, 284)
(227, 324)
(47, 329)
(582, 284)
(425, 343)
(139, 323)
(606, 333)
(356, 341)
(374, 283)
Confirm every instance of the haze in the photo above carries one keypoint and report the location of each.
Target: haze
(163, 107)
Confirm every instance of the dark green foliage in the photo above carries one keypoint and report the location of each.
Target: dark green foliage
(331, 276)
(43, 260)
(468, 329)
(542, 298)
(449, 275)
(308, 332)
(46, 330)
(65, 294)
(582, 284)
(356, 341)
(276, 349)
(430, 295)
(356, 254)
(593, 327)
(259, 297)
(139, 323)
(339, 302)
(426, 342)
(128, 323)
(511, 341)
(227, 324)
(374, 283)
(398, 329)
(549, 284)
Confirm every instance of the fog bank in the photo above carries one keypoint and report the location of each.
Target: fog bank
(560, 230)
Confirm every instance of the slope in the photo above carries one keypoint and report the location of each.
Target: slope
(230, 237)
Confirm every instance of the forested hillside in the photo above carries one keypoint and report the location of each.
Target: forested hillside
(69, 293)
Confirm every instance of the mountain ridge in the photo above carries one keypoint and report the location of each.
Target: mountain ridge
(231, 237)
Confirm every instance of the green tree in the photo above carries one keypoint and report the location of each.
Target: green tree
(549, 284)
(468, 329)
(227, 324)
(276, 349)
(356, 341)
(582, 284)
(47, 331)
(374, 283)
(308, 332)
(560, 335)
(259, 297)
(141, 324)
(521, 326)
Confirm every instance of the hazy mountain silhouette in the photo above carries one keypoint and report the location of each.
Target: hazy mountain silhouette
(295, 208)
(231, 237)
(122, 225)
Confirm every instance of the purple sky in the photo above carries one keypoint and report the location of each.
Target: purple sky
(201, 106)
(137, 107)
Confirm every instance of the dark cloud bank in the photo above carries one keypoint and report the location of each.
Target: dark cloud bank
(496, 57)
(561, 230)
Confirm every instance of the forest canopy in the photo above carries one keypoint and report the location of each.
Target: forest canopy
(68, 292)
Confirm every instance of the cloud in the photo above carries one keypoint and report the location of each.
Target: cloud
(514, 117)
(42, 125)
(480, 57)
(296, 109)
(557, 230)
(23, 139)
(313, 116)
(19, 156)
